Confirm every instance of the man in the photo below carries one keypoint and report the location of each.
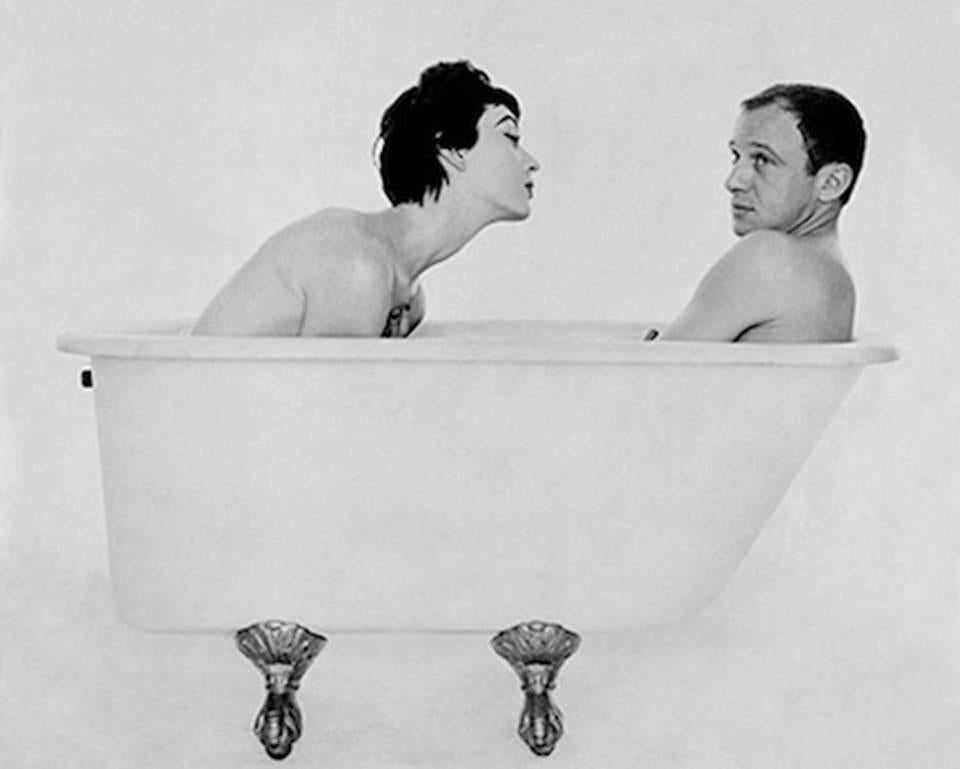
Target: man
(797, 152)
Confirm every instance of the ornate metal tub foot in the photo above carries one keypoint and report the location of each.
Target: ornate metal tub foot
(536, 650)
(282, 651)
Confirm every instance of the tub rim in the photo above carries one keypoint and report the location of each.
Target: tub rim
(619, 342)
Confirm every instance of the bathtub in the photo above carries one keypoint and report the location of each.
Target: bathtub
(470, 477)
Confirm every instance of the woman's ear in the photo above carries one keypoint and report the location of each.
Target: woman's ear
(833, 179)
(453, 157)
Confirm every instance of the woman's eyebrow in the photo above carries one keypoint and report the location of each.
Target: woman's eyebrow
(508, 119)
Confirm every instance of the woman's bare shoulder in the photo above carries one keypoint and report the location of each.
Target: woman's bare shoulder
(330, 227)
(329, 241)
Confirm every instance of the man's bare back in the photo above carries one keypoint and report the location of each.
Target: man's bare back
(771, 287)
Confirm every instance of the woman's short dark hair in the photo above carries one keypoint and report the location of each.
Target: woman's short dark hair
(441, 111)
(829, 123)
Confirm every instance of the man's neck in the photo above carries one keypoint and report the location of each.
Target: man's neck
(821, 223)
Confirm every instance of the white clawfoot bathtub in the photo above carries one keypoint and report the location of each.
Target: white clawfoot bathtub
(469, 477)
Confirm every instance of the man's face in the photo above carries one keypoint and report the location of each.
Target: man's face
(769, 185)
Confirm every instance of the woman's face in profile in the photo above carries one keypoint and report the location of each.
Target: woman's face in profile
(498, 167)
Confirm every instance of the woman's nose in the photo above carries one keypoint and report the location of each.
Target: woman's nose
(532, 163)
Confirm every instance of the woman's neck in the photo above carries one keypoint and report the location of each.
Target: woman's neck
(421, 236)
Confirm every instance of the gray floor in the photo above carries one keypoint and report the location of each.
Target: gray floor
(759, 680)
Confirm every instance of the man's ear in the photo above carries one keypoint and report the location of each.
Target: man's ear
(833, 179)
(454, 157)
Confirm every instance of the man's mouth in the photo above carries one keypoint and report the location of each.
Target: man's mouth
(529, 186)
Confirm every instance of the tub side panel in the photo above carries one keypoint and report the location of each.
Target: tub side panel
(430, 496)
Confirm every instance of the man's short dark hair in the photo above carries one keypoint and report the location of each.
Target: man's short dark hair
(441, 111)
(829, 123)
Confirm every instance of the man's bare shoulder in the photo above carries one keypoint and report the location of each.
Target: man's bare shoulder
(783, 259)
(762, 252)
(748, 268)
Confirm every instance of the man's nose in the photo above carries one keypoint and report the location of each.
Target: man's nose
(738, 179)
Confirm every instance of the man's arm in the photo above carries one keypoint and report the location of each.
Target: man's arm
(744, 289)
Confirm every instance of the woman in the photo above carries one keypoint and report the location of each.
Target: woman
(450, 162)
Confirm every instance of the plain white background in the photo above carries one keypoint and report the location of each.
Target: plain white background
(148, 148)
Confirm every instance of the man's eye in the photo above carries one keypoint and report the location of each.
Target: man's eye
(514, 139)
(760, 160)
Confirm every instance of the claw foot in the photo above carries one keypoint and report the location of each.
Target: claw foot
(536, 651)
(282, 652)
